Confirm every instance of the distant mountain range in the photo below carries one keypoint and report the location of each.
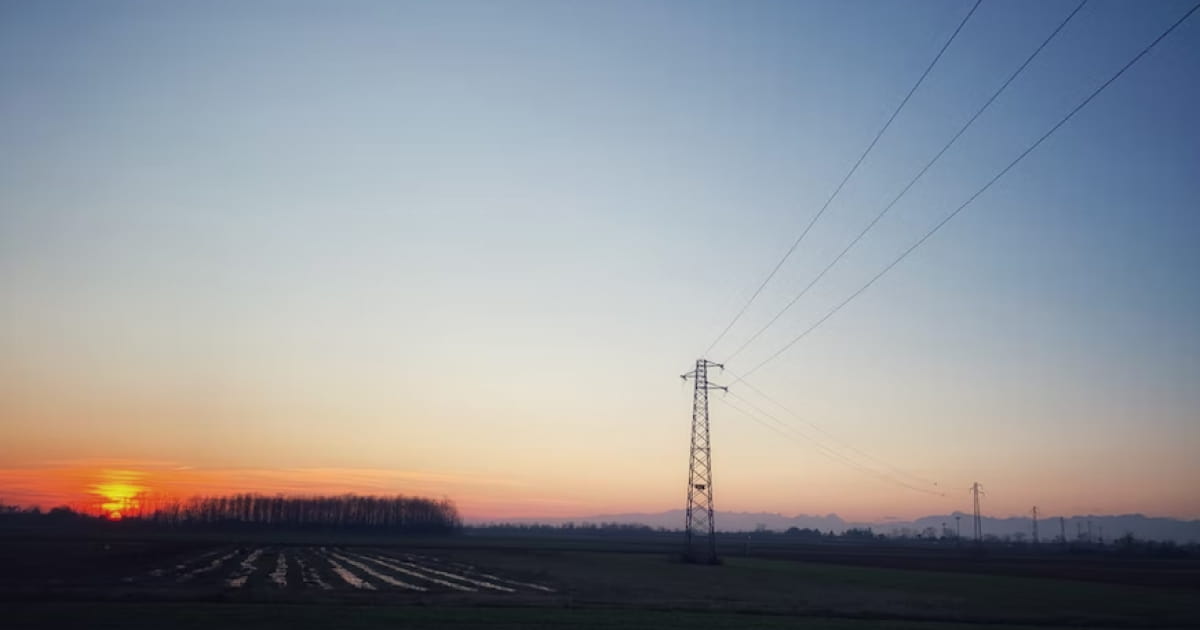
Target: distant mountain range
(1102, 527)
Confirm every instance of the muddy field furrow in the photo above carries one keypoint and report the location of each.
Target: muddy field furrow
(279, 573)
(348, 576)
(310, 577)
(473, 572)
(245, 570)
(184, 565)
(271, 572)
(420, 573)
(207, 568)
(387, 579)
(410, 567)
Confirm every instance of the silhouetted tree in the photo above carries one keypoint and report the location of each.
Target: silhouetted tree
(394, 513)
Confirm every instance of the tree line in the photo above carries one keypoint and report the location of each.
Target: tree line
(569, 528)
(397, 514)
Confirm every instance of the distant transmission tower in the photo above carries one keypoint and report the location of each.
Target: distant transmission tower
(1035, 537)
(975, 491)
(700, 530)
(1062, 527)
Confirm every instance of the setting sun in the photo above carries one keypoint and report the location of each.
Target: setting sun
(119, 492)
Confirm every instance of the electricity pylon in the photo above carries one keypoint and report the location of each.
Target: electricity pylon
(976, 490)
(1035, 537)
(700, 531)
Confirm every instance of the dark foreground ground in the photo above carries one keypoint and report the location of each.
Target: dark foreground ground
(478, 582)
(214, 616)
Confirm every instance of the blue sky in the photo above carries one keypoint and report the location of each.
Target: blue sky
(485, 237)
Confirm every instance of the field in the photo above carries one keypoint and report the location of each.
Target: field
(477, 582)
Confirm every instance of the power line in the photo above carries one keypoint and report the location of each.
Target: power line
(910, 184)
(821, 448)
(832, 437)
(790, 433)
(845, 179)
(977, 193)
(783, 429)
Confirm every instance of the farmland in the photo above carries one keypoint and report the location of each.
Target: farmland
(475, 581)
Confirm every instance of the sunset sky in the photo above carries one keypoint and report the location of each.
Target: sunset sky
(466, 249)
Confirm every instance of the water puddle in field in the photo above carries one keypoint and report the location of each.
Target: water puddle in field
(212, 566)
(247, 568)
(486, 576)
(347, 576)
(279, 575)
(310, 575)
(381, 576)
(412, 569)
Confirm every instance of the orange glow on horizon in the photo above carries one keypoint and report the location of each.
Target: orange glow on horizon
(136, 489)
(119, 492)
(131, 489)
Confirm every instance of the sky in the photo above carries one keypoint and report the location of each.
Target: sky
(466, 249)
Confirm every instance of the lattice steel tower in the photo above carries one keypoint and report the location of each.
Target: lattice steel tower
(700, 532)
(977, 490)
